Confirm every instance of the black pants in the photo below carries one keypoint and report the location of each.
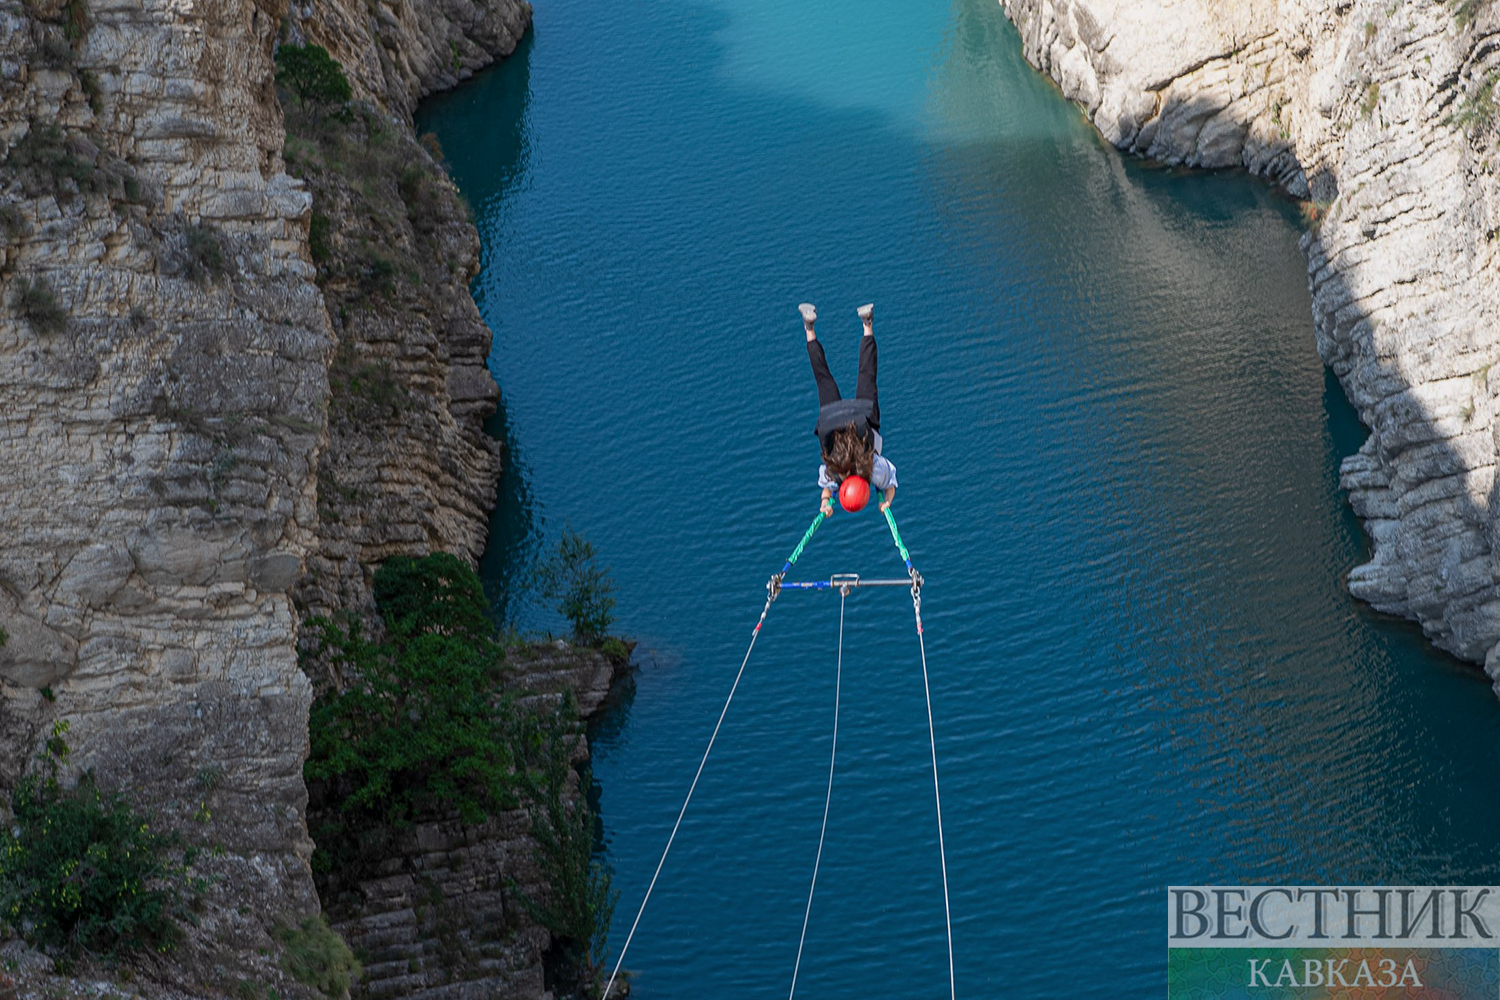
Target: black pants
(864, 387)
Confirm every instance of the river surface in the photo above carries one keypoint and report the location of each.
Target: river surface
(1118, 457)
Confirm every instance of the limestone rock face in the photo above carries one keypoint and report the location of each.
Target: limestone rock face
(408, 467)
(398, 51)
(413, 471)
(442, 915)
(1378, 115)
(165, 357)
(164, 353)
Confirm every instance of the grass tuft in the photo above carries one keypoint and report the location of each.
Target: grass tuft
(314, 955)
(37, 303)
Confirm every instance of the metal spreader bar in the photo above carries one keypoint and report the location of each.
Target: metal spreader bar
(843, 581)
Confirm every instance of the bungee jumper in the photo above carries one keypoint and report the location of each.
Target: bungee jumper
(848, 433)
(849, 429)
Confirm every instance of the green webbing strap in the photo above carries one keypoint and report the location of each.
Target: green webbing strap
(896, 534)
(803, 544)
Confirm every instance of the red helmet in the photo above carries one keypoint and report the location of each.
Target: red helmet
(854, 493)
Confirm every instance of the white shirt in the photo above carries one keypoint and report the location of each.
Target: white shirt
(882, 475)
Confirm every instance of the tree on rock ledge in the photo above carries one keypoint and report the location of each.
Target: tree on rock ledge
(314, 76)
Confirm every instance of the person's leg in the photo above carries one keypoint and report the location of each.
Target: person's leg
(828, 389)
(867, 387)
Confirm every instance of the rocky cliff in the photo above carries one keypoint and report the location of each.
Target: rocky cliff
(1381, 116)
(441, 916)
(165, 354)
(169, 470)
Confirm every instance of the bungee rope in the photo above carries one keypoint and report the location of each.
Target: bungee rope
(843, 582)
(838, 681)
(773, 588)
(806, 537)
(900, 545)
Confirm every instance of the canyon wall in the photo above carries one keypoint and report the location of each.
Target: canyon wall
(170, 473)
(1379, 114)
(165, 356)
(442, 915)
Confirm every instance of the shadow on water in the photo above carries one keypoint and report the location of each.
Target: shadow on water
(491, 163)
(1119, 462)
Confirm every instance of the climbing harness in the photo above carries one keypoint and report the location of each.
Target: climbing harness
(844, 583)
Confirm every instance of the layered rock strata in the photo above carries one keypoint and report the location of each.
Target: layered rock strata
(1382, 117)
(441, 916)
(407, 467)
(164, 354)
(167, 351)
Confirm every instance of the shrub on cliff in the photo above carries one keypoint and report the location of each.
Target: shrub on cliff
(203, 254)
(1475, 111)
(314, 955)
(581, 902)
(438, 593)
(80, 871)
(37, 303)
(581, 587)
(312, 75)
(13, 223)
(64, 163)
(417, 726)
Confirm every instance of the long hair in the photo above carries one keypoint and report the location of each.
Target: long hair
(847, 453)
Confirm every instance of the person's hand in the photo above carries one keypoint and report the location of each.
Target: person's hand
(885, 505)
(826, 507)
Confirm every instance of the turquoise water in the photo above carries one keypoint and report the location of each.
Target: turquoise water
(1118, 454)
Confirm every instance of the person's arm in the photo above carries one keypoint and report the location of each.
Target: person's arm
(885, 478)
(827, 483)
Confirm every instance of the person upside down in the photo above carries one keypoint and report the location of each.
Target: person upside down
(849, 429)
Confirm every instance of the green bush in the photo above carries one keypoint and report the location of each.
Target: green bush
(88, 81)
(421, 198)
(318, 231)
(310, 73)
(436, 594)
(365, 391)
(13, 223)
(616, 649)
(581, 587)
(205, 254)
(581, 901)
(76, 20)
(80, 871)
(314, 955)
(44, 158)
(37, 303)
(1475, 112)
(1464, 11)
(418, 726)
(379, 277)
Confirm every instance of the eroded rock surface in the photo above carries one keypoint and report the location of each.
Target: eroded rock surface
(165, 358)
(164, 354)
(1379, 114)
(442, 915)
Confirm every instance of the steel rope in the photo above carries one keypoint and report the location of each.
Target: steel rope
(838, 680)
(937, 795)
(771, 596)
